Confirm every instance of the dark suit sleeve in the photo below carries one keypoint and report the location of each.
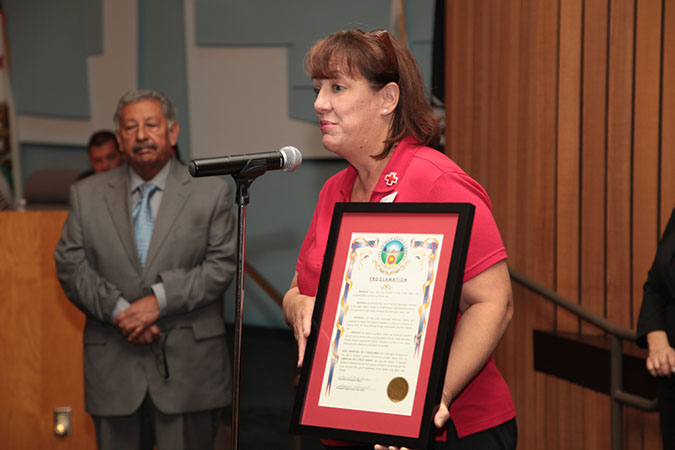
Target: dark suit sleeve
(190, 288)
(655, 291)
(83, 286)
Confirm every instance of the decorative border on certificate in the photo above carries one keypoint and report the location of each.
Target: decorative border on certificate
(383, 321)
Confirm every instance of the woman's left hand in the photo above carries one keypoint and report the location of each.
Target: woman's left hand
(661, 359)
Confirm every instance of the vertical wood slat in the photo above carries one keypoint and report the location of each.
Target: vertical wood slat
(568, 165)
(593, 148)
(501, 134)
(619, 141)
(668, 115)
(649, 47)
(510, 120)
(458, 50)
(646, 161)
(645, 143)
(619, 154)
(645, 178)
(513, 129)
(481, 80)
(593, 172)
(569, 396)
(543, 18)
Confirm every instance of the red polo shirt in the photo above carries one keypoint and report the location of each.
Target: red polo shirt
(416, 173)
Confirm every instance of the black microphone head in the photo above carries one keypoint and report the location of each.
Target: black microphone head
(292, 158)
(192, 168)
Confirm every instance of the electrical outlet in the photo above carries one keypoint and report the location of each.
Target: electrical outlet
(62, 421)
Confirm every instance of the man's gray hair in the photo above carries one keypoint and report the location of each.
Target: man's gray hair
(137, 95)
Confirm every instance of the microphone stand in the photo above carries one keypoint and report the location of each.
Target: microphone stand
(243, 180)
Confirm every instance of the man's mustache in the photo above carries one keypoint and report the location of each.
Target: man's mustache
(138, 147)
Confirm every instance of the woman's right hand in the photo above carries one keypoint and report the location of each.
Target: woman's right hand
(298, 311)
(661, 359)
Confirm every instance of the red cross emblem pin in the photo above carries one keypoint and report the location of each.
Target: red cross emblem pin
(391, 179)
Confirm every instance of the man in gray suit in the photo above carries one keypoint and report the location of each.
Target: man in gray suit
(146, 253)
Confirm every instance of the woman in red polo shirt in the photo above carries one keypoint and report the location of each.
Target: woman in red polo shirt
(372, 112)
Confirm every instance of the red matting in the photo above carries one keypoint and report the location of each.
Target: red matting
(377, 422)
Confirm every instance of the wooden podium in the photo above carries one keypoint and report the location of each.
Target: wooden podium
(40, 338)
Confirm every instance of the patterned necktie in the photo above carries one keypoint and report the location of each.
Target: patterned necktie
(143, 221)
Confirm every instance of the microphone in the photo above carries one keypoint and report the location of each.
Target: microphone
(287, 159)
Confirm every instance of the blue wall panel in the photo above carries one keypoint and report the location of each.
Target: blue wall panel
(36, 157)
(419, 15)
(48, 57)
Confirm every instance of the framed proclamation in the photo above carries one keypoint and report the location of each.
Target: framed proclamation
(383, 322)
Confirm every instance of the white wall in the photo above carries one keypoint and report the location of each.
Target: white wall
(239, 100)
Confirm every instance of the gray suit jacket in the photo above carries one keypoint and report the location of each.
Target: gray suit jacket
(192, 252)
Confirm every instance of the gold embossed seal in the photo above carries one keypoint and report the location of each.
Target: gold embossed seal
(397, 389)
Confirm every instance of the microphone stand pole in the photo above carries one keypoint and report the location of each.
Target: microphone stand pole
(243, 182)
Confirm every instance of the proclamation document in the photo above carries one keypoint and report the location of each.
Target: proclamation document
(380, 322)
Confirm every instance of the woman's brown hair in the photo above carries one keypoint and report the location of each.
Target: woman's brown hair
(379, 58)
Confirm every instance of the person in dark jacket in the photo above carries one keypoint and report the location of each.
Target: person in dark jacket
(656, 328)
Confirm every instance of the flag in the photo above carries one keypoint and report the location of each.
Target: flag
(9, 167)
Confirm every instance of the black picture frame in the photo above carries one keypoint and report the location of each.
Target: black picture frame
(453, 220)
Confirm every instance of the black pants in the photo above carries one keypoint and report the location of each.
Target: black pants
(667, 412)
(501, 437)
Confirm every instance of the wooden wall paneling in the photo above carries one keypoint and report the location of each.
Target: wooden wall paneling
(569, 154)
(619, 149)
(496, 184)
(651, 425)
(503, 126)
(544, 21)
(668, 115)
(593, 206)
(19, 355)
(508, 156)
(645, 143)
(646, 162)
(568, 205)
(493, 129)
(509, 102)
(459, 83)
(62, 348)
(542, 142)
(593, 158)
(453, 19)
(523, 388)
(577, 120)
(619, 187)
(531, 385)
(482, 59)
(524, 317)
(40, 338)
(648, 424)
(641, 430)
